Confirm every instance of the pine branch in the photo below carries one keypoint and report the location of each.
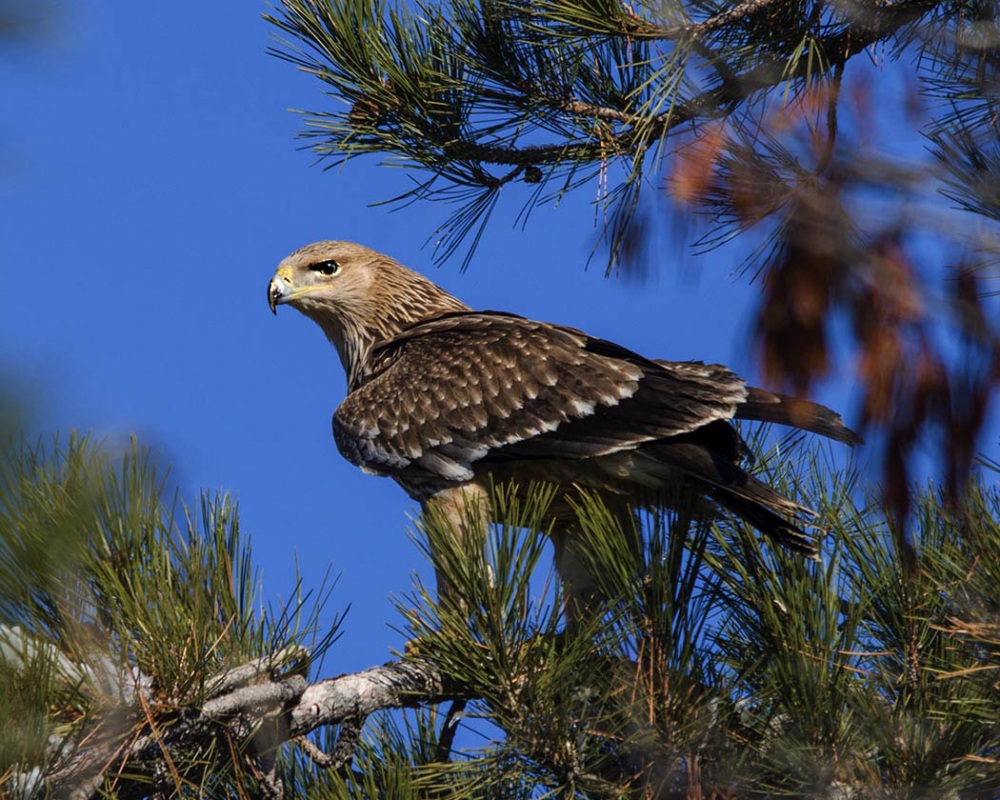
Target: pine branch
(82, 776)
(470, 97)
(245, 699)
(769, 72)
(404, 683)
(710, 104)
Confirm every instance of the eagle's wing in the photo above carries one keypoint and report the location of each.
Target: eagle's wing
(474, 387)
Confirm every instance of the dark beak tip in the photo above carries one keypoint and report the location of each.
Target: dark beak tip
(273, 294)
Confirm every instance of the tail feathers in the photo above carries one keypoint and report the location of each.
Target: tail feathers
(783, 531)
(766, 509)
(764, 406)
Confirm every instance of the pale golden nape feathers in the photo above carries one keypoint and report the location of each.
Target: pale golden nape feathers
(357, 296)
(442, 397)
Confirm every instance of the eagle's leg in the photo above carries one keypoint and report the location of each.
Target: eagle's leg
(459, 517)
(582, 589)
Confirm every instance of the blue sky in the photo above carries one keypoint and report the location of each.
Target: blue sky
(150, 182)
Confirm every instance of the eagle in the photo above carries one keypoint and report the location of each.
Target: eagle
(449, 401)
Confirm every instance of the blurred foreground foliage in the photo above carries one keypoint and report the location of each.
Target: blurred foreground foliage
(118, 609)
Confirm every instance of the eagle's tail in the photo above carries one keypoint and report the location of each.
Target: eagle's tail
(761, 515)
(769, 511)
(764, 406)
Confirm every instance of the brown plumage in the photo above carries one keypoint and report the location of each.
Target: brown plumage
(445, 399)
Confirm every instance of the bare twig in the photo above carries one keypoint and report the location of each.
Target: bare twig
(826, 157)
(448, 731)
(314, 753)
(347, 740)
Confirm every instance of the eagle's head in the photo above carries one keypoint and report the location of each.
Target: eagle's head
(326, 278)
(356, 295)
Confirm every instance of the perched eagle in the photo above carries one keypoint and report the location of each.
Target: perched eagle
(446, 400)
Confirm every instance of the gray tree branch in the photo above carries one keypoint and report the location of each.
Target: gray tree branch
(241, 702)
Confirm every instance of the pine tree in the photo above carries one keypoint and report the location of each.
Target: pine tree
(139, 662)
(138, 659)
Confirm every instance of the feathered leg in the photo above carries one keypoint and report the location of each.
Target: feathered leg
(583, 590)
(459, 517)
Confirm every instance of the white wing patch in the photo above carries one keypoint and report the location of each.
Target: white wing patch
(582, 408)
(445, 467)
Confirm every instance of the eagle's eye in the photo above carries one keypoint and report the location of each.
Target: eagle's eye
(329, 267)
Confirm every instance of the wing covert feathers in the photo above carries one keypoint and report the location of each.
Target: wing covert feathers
(471, 393)
(471, 388)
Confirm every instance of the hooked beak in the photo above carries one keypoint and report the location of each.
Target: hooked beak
(278, 292)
